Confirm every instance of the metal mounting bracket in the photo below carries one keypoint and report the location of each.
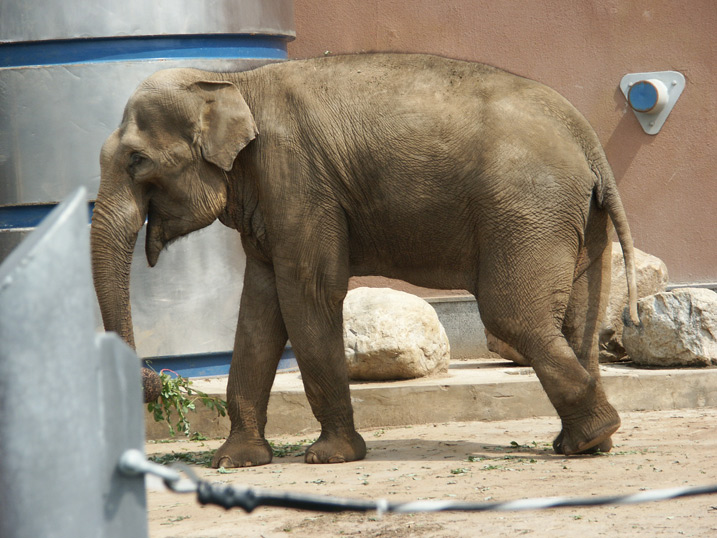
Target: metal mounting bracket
(652, 96)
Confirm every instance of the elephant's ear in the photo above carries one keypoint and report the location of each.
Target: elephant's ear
(226, 124)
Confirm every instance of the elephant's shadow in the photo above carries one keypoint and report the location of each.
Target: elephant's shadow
(456, 450)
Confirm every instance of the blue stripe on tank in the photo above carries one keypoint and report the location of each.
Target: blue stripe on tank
(208, 364)
(29, 216)
(118, 49)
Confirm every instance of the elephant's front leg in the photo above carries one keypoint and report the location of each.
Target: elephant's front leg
(312, 310)
(260, 340)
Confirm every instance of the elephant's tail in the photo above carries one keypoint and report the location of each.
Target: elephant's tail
(609, 199)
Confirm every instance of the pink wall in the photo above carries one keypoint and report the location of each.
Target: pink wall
(582, 48)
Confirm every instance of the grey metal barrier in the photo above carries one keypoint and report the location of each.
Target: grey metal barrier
(70, 398)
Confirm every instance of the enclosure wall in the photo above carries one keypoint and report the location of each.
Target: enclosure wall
(582, 48)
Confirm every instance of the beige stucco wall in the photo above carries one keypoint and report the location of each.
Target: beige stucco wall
(582, 48)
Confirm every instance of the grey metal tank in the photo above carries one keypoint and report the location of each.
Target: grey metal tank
(66, 72)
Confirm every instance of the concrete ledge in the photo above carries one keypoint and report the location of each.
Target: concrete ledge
(478, 389)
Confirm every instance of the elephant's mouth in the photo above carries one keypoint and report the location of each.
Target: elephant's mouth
(155, 240)
(163, 229)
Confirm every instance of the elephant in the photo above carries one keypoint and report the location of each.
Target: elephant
(443, 173)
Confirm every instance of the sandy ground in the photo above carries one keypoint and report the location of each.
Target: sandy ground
(476, 461)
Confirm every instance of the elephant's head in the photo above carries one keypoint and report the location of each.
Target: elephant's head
(167, 164)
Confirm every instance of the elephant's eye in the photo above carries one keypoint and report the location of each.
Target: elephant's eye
(137, 162)
(136, 159)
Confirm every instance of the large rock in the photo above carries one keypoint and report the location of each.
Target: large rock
(390, 334)
(678, 328)
(651, 278)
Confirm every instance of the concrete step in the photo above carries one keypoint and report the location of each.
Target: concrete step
(473, 389)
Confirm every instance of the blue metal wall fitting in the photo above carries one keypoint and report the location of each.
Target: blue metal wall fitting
(71, 399)
(66, 71)
(652, 96)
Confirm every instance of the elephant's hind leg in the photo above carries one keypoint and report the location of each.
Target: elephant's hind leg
(259, 342)
(527, 313)
(588, 419)
(586, 309)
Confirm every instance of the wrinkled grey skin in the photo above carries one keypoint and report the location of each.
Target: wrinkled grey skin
(442, 173)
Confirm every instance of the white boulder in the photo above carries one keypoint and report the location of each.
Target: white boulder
(652, 278)
(678, 328)
(390, 334)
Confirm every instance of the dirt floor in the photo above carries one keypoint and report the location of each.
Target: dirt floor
(476, 461)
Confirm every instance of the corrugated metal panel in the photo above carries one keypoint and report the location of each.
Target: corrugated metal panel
(66, 72)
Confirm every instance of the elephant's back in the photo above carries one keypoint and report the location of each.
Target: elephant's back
(405, 116)
(374, 73)
(463, 98)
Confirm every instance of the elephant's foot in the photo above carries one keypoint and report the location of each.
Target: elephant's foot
(604, 446)
(336, 448)
(590, 435)
(238, 451)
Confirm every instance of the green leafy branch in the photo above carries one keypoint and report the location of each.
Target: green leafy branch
(179, 396)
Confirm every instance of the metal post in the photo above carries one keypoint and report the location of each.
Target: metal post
(70, 400)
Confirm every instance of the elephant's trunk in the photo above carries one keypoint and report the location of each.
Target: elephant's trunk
(116, 222)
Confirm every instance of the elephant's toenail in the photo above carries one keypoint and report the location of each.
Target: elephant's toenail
(225, 462)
